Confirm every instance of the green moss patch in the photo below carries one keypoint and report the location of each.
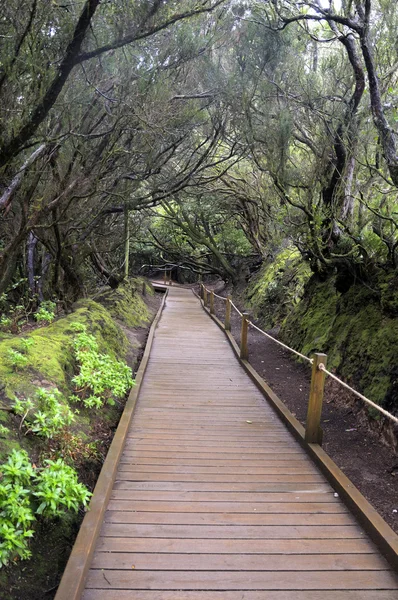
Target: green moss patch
(126, 303)
(357, 330)
(278, 287)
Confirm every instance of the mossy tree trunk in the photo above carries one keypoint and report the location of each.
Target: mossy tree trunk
(126, 242)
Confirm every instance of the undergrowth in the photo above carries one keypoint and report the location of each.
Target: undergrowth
(101, 378)
(27, 494)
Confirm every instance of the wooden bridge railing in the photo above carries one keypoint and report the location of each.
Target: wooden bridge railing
(313, 429)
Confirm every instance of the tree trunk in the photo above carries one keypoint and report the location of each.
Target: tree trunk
(126, 242)
(31, 245)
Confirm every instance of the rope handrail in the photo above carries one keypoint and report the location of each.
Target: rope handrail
(321, 367)
(236, 308)
(303, 356)
(220, 297)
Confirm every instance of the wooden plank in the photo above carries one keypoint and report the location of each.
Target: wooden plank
(229, 518)
(196, 507)
(221, 487)
(296, 497)
(197, 450)
(269, 465)
(132, 475)
(209, 546)
(237, 562)
(232, 532)
(264, 580)
(248, 595)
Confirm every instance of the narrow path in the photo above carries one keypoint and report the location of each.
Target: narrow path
(214, 499)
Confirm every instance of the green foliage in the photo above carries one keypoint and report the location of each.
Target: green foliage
(47, 416)
(26, 493)
(278, 287)
(46, 312)
(100, 378)
(57, 489)
(13, 318)
(17, 360)
(27, 343)
(5, 323)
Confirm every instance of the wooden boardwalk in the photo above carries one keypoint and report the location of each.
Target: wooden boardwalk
(214, 498)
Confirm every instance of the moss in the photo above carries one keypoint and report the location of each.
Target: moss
(278, 287)
(126, 303)
(51, 355)
(357, 331)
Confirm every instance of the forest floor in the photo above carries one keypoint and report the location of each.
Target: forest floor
(39, 577)
(348, 438)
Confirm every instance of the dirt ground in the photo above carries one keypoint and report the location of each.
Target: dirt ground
(348, 437)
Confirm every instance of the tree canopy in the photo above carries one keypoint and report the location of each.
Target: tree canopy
(205, 135)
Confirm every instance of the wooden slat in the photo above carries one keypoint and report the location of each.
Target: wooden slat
(229, 518)
(250, 497)
(221, 487)
(232, 595)
(236, 562)
(248, 507)
(242, 580)
(220, 532)
(209, 546)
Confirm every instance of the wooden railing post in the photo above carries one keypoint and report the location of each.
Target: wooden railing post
(165, 277)
(244, 350)
(204, 297)
(201, 288)
(143, 288)
(313, 429)
(212, 302)
(227, 323)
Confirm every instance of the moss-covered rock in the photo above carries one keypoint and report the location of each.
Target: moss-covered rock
(278, 287)
(50, 358)
(126, 303)
(356, 329)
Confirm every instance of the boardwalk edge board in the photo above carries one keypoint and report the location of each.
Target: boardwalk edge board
(73, 580)
(377, 528)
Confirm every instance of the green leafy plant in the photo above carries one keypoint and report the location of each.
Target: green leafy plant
(46, 312)
(26, 343)
(58, 489)
(100, 378)
(26, 493)
(15, 510)
(47, 416)
(16, 359)
(5, 323)
(4, 430)
(15, 317)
